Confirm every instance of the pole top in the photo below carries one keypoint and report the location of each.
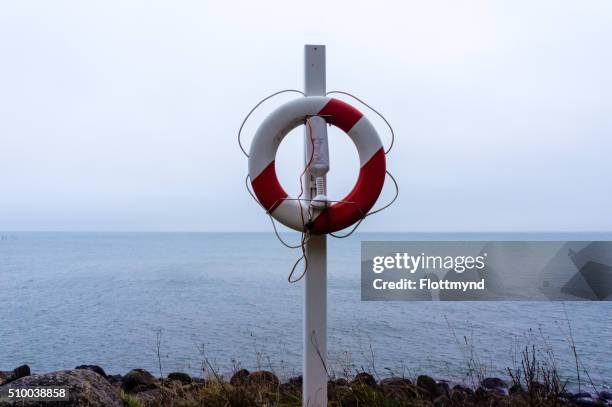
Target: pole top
(314, 70)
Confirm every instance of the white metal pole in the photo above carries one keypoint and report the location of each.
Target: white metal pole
(315, 290)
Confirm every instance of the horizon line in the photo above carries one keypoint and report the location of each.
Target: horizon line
(292, 231)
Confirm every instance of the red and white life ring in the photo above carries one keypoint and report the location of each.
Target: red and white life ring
(271, 194)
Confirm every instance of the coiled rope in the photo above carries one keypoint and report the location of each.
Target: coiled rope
(305, 236)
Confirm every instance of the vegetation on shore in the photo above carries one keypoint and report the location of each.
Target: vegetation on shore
(261, 388)
(533, 380)
(532, 383)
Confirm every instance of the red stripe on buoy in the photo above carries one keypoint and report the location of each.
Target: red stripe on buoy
(363, 197)
(267, 189)
(340, 114)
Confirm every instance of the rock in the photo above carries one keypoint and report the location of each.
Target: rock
(84, 388)
(338, 382)
(17, 373)
(605, 395)
(93, 368)
(398, 388)
(604, 402)
(295, 381)
(463, 389)
(114, 379)
(264, 378)
(585, 402)
(240, 377)
(443, 387)
(138, 380)
(458, 397)
(180, 377)
(21, 371)
(498, 391)
(395, 381)
(365, 379)
(515, 389)
(294, 384)
(583, 394)
(428, 384)
(493, 383)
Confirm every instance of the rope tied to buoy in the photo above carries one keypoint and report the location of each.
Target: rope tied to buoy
(305, 224)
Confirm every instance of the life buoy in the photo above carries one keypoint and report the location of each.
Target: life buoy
(287, 210)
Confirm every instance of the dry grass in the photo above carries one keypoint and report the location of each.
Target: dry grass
(534, 380)
(533, 385)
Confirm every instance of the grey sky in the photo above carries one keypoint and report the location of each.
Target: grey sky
(123, 115)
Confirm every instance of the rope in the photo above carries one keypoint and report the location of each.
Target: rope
(304, 233)
(255, 108)
(305, 236)
(392, 200)
(371, 212)
(372, 109)
(246, 183)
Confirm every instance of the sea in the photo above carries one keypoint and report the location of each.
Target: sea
(193, 302)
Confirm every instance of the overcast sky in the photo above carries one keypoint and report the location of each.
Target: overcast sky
(122, 115)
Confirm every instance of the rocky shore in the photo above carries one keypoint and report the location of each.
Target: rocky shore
(89, 385)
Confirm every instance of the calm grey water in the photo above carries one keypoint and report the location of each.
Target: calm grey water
(73, 298)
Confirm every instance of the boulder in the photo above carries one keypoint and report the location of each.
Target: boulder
(263, 378)
(115, 379)
(458, 397)
(605, 395)
(604, 402)
(463, 389)
(395, 381)
(294, 385)
(517, 389)
(443, 387)
(497, 391)
(138, 380)
(198, 380)
(84, 388)
(296, 381)
(93, 368)
(17, 373)
(180, 377)
(428, 384)
(493, 383)
(365, 379)
(21, 371)
(398, 388)
(341, 381)
(586, 402)
(240, 377)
